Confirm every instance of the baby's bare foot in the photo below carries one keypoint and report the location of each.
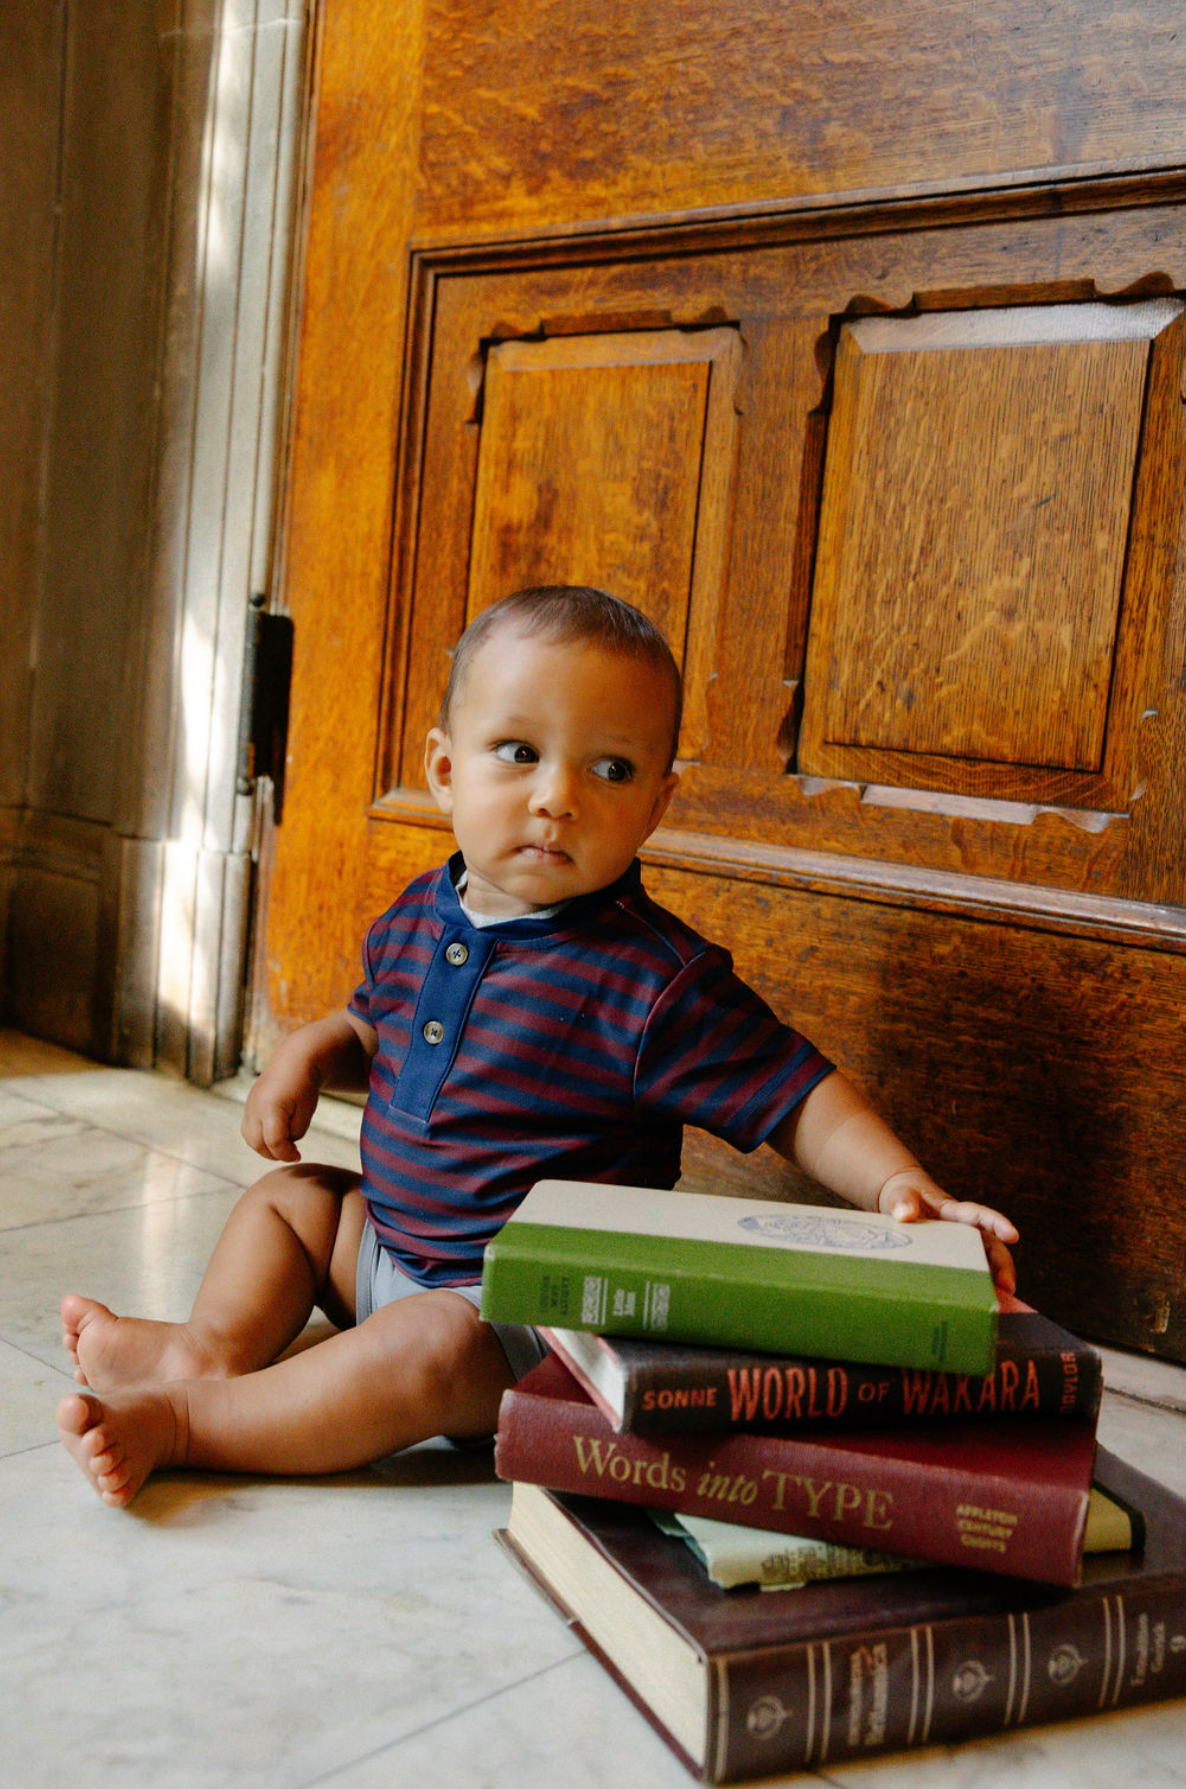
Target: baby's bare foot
(109, 1351)
(118, 1442)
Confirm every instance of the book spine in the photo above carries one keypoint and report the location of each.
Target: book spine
(824, 1701)
(750, 1392)
(796, 1485)
(724, 1295)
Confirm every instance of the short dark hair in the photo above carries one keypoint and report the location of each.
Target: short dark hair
(564, 613)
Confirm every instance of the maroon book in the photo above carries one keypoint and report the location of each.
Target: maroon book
(653, 1387)
(1005, 1497)
(747, 1682)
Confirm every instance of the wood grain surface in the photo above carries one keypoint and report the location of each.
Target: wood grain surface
(847, 341)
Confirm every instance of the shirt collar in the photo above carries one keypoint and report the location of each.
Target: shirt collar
(572, 915)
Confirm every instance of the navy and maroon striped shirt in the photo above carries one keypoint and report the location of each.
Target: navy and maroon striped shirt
(574, 1047)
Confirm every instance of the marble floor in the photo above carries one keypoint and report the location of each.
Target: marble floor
(361, 1631)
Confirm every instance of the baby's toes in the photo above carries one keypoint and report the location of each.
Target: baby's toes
(101, 1450)
(118, 1485)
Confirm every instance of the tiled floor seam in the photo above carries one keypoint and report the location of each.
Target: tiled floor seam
(442, 1720)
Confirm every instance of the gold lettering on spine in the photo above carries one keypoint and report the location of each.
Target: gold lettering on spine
(856, 1660)
(842, 1499)
(879, 1711)
(1141, 1667)
(848, 1498)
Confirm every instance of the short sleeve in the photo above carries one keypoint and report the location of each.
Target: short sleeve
(715, 1055)
(360, 1000)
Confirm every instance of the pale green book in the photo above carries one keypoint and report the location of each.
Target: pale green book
(754, 1273)
(733, 1555)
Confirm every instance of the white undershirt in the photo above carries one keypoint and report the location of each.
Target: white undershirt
(480, 921)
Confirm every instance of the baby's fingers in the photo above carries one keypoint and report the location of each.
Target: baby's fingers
(966, 1211)
(995, 1229)
(909, 1202)
(277, 1143)
(1000, 1263)
(269, 1133)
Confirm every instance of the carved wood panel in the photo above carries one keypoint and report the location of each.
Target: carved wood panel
(920, 564)
(603, 459)
(969, 623)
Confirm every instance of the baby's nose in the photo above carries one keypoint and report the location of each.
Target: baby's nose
(554, 791)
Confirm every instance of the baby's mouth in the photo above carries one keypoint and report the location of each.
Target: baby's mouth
(544, 853)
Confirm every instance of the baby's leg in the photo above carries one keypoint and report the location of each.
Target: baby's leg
(291, 1242)
(426, 1365)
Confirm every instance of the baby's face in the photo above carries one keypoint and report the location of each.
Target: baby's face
(553, 771)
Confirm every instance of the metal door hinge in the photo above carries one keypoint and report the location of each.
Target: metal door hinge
(263, 716)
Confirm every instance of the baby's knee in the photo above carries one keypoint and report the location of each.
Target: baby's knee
(461, 1354)
(302, 1181)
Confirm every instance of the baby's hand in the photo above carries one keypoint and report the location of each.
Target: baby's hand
(912, 1194)
(278, 1111)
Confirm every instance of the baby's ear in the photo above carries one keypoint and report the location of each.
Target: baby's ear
(662, 800)
(438, 766)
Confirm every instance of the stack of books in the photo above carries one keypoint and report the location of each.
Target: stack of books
(846, 1395)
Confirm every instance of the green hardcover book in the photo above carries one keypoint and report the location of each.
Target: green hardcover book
(755, 1273)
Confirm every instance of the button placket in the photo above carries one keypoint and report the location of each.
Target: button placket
(449, 984)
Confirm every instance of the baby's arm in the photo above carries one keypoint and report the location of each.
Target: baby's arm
(333, 1052)
(835, 1136)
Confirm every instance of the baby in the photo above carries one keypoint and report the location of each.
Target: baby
(527, 1012)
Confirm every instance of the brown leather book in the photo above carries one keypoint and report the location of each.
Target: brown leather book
(744, 1683)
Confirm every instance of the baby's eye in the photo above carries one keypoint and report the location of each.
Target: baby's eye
(614, 770)
(516, 751)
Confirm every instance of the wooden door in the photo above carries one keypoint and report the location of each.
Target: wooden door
(863, 373)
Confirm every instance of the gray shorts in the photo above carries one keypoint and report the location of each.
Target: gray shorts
(378, 1281)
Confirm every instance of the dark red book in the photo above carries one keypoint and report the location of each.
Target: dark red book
(654, 1388)
(1005, 1497)
(744, 1683)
